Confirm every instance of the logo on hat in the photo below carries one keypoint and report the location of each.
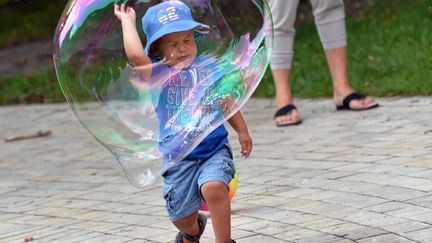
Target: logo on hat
(171, 14)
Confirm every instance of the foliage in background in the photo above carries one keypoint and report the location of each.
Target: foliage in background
(28, 20)
(390, 49)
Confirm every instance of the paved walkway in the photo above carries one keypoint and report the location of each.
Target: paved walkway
(338, 177)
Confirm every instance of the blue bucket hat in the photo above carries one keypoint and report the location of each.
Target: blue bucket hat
(170, 17)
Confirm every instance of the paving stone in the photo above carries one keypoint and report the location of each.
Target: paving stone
(410, 211)
(88, 236)
(344, 198)
(424, 217)
(339, 177)
(4, 217)
(139, 232)
(265, 227)
(56, 221)
(238, 233)
(423, 235)
(259, 239)
(321, 222)
(323, 238)
(392, 192)
(61, 235)
(387, 207)
(403, 227)
(386, 238)
(394, 180)
(90, 215)
(130, 219)
(166, 236)
(107, 239)
(36, 234)
(10, 230)
(422, 201)
(297, 233)
(102, 227)
(352, 231)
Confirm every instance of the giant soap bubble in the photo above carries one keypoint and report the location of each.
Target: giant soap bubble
(147, 122)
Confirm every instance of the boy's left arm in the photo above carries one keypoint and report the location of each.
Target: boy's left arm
(239, 125)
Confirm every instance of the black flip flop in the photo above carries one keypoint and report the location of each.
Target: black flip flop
(355, 96)
(285, 111)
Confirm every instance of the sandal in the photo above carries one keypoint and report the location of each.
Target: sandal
(355, 96)
(202, 220)
(286, 110)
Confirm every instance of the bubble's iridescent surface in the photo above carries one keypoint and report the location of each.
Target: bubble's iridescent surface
(119, 109)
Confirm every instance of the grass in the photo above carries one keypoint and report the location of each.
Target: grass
(39, 87)
(390, 51)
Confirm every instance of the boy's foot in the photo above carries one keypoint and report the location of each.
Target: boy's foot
(181, 236)
(287, 116)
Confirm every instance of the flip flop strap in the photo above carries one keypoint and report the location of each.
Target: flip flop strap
(351, 97)
(285, 110)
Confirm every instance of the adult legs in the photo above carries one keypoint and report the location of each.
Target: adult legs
(330, 21)
(284, 15)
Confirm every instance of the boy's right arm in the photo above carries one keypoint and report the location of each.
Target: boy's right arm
(238, 123)
(131, 41)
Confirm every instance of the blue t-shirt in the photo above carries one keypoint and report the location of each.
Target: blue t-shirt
(185, 109)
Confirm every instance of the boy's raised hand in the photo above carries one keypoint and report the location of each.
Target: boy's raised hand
(124, 13)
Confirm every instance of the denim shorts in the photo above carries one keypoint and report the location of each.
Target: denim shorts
(183, 181)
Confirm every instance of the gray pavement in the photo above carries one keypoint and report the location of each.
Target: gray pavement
(338, 177)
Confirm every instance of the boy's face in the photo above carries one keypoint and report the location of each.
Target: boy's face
(178, 49)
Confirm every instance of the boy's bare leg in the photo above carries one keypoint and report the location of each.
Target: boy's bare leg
(283, 95)
(216, 195)
(338, 65)
(189, 225)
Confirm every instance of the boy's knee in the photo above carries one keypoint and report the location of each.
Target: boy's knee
(214, 191)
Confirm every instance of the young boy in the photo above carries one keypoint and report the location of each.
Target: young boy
(206, 172)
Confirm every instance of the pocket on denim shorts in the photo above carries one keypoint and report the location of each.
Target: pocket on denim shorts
(168, 195)
(229, 168)
(226, 157)
(229, 150)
